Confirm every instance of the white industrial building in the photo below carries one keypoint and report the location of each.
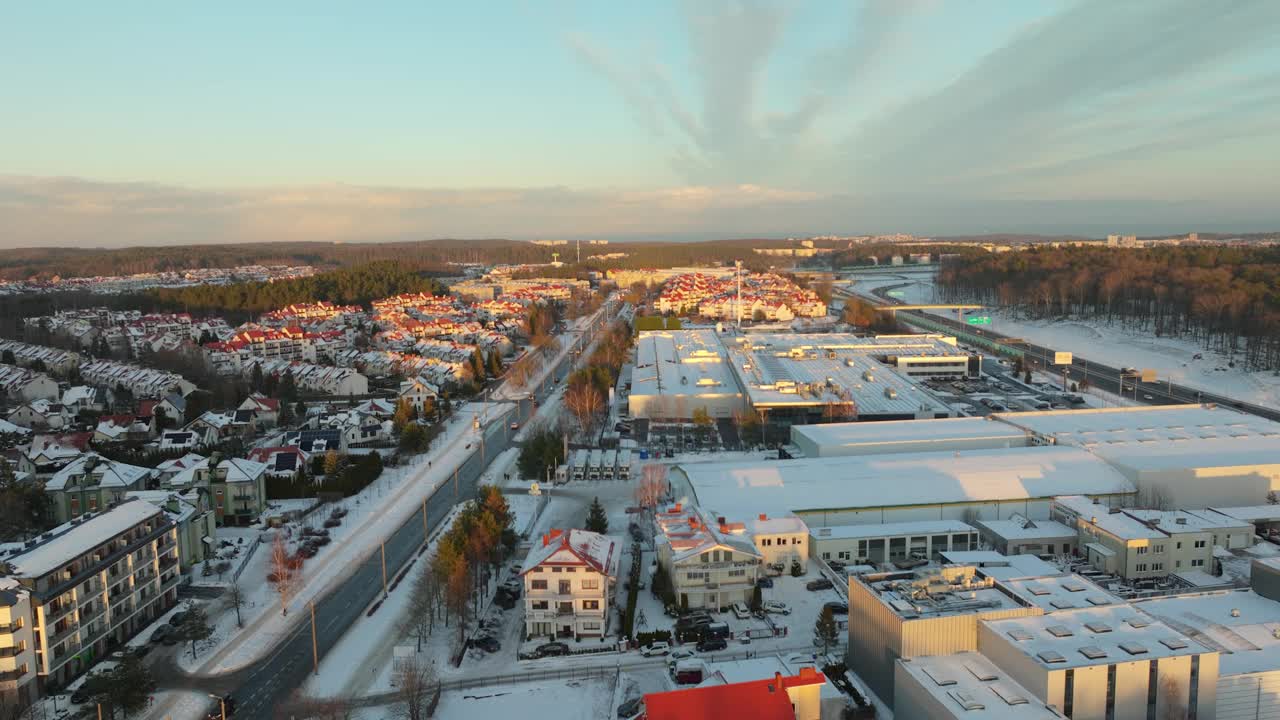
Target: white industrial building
(872, 489)
(890, 542)
(905, 436)
(679, 371)
(1019, 535)
(964, 685)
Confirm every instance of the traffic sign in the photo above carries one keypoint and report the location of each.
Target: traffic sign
(979, 320)
(1062, 358)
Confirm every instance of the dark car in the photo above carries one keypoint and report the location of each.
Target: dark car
(838, 608)
(710, 644)
(178, 618)
(631, 707)
(819, 584)
(764, 582)
(161, 633)
(488, 644)
(551, 649)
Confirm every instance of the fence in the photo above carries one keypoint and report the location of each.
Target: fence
(235, 576)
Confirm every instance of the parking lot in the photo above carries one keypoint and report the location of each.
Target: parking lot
(1000, 390)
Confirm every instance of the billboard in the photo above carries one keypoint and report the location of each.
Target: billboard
(1148, 375)
(1062, 358)
(978, 320)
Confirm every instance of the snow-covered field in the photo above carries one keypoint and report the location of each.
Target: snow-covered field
(1172, 358)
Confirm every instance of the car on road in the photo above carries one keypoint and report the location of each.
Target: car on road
(741, 611)
(162, 633)
(1057, 406)
(515, 426)
(551, 649)
(778, 608)
(712, 644)
(1147, 396)
(819, 584)
(655, 649)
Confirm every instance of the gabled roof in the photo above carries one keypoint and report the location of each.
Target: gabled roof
(576, 547)
(758, 699)
(109, 473)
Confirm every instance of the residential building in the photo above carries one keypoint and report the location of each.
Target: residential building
(193, 518)
(38, 415)
(143, 382)
(795, 697)
(569, 583)
(420, 394)
(710, 565)
(21, 384)
(266, 411)
(17, 648)
(90, 483)
(1137, 544)
(282, 462)
(237, 486)
(780, 541)
(90, 585)
(47, 454)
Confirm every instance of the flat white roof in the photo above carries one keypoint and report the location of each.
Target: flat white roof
(970, 686)
(881, 530)
(681, 362)
(71, 540)
(884, 435)
(1025, 529)
(1245, 639)
(1145, 424)
(1095, 636)
(743, 489)
(1244, 451)
(1059, 593)
(1251, 513)
(1118, 523)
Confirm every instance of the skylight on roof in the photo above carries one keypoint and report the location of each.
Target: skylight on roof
(1173, 643)
(1098, 600)
(1093, 652)
(978, 672)
(1133, 648)
(1137, 621)
(1037, 590)
(966, 700)
(1051, 656)
(1098, 627)
(1019, 635)
(1072, 587)
(1062, 604)
(1009, 695)
(1059, 631)
(939, 677)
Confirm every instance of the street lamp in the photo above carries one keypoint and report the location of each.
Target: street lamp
(222, 705)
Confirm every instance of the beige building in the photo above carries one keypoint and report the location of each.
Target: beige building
(781, 541)
(1105, 663)
(1135, 544)
(17, 647)
(86, 585)
(568, 583)
(710, 565)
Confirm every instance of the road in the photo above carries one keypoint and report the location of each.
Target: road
(268, 683)
(1098, 374)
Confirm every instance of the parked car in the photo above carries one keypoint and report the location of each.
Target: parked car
(515, 426)
(712, 644)
(551, 649)
(630, 708)
(178, 618)
(680, 654)
(819, 584)
(741, 611)
(488, 644)
(161, 633)
(837, 607)
(764, 582)
(655, 649)
(778, 608)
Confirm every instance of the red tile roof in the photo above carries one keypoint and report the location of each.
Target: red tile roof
(756, 700)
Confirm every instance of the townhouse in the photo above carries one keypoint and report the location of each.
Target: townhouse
(141, 381)
(24, 385)
(569, 583)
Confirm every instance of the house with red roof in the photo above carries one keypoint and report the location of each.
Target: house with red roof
(568, 583)
(266, 410)
(781, 697)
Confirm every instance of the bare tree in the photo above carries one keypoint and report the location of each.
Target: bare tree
(652, 486)
(584, 401)
(1172, 706)
(285, 572)
(235, 596)
(415, 683)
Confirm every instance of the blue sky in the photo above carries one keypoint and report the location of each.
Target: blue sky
(136, 123)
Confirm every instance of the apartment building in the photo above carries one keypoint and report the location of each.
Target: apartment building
(710, 564)
(568, 583)
(92, 482)
(81, 589)
(1137, 544)
(238, 487)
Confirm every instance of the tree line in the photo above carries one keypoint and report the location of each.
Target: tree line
(1226, 298)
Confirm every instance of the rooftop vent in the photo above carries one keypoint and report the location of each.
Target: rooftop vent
(1173, 643)
(1093, 652)
(1051, 657)
(1133, 648)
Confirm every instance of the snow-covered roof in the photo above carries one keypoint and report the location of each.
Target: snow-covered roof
(1026, 529)
(8, 428)
(601, 553)
(882, 530)
(1141, 424)
(238, 470)
(72, 539)
(970, 686)
(690, 532)
(1059, 592)
(763, 524)
(1239, 623)
(1221, 451)
(743, 489)
(905, 435)
(1111, 634)
(106, 473)
(1251, 513)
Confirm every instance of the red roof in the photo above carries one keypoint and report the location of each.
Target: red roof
(754, 700)
(147, 408)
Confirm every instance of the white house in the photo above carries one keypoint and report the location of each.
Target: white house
(709, 566)
(781, 540)
(568, 581)
(420, 394)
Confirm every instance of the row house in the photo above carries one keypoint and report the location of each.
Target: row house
(141, 381)
(81, 589)
(55, 361)
(92, 482)
(24, 385)
(321, 310)
(324, 379)
(569, 583)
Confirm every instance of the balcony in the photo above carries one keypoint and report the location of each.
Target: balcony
(168, 561)
(12, 676)
(58, 636)
(54, 611)
(11, 651)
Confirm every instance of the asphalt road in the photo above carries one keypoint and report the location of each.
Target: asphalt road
(267, 684)
(1098, 374)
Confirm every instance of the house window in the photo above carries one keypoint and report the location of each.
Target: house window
(737, 573)
(1159, 549)
(590, 626)
(565, 587)
(1142, 550)
(539, 585)
(766, 542)
(571, 569)
(590, 604)
(93, 503)
(705, 557)
(539, 604)
(1199, 562)
(1141, 567)
(557, 569)
(591, 584)
(1157, 566)
(795, 541)
(1199, 544)
(695, 575)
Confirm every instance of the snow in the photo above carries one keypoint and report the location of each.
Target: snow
(560, 699)
(848, 438)
(71, 540)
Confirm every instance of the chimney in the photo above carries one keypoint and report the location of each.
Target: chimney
(764, 516)
(720, 520)
(777, 682)
(546, 539)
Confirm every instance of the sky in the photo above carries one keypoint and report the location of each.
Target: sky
(132, 123)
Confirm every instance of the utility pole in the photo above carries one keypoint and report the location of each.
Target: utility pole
(383, 548)
(455, 483)
(425, 529)
(315, 646)
(579, 241)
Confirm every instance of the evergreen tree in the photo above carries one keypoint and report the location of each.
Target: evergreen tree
(255, 378)
(8, 359)
(597, 520)
(288, 388)
(195, 627)
(825, 631)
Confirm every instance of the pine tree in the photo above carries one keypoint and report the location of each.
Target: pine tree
(477, 365)
(597, 520)
(825, 631)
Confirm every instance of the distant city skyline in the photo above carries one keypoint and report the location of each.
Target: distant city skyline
(136, 124)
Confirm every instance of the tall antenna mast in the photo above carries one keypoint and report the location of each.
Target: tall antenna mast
(737, 264)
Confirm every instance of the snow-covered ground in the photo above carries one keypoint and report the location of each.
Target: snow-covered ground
(559, 699)
(1172, 358)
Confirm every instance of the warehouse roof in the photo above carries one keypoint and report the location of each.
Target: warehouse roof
(973, 687)
(681, 362)
(1024, 529)
(744, 489)
(881, 530)
(1239, 623)
(1096, 636)
(831, 437)
(1139, 425)
(1239, 451)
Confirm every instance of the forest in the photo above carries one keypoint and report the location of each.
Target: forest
(1226, 298)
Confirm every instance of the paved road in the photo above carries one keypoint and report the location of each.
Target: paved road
(268, 683)
(1103, 376)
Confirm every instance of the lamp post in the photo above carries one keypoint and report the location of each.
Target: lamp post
(222, 705)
